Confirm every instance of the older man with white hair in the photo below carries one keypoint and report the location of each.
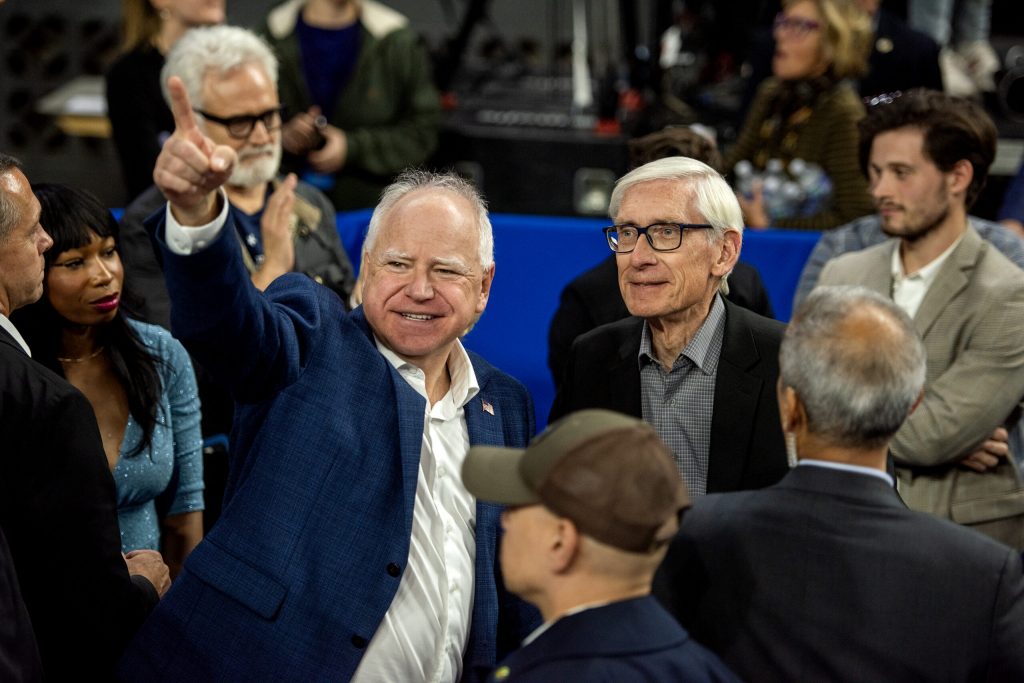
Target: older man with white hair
(348, 548)
(283, 224)
(701, 370)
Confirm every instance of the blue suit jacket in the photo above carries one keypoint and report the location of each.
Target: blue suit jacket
(632, 640)
(297, 574)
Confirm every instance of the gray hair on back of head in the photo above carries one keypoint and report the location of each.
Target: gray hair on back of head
(417, 179)
(218, 49)
(9, 216)
(715, 201)
(857, 391)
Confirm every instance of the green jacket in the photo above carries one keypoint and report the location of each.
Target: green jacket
(390, 110)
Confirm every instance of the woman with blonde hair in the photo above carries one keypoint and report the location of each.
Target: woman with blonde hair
(809, 109)
(139, 117)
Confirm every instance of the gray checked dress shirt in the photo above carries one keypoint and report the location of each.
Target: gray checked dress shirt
(679, 402)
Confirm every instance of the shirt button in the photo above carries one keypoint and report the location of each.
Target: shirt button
(394, 569)
(201, 244)
(441, 471)
(359, 642)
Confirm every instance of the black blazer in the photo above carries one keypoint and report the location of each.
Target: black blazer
(19, 656)
(747, 449)
(828, 576)
(58, 512)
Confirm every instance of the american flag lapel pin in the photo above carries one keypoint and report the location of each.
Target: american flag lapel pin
(488, 408)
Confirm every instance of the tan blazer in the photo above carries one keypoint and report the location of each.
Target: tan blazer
(972, 324)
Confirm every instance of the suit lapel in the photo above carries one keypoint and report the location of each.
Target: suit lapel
(624, 375)
(410, 408)
(737, 387)
(484, 423)
(877, 275)
(952, 278)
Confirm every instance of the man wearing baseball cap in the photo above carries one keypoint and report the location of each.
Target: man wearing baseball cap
(592, 503)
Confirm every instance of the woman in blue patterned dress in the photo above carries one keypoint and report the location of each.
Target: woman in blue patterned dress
(137, 377)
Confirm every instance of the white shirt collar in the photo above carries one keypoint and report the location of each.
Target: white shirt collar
(927, 274)
(846, 467)
(464, 382)
(13, 331)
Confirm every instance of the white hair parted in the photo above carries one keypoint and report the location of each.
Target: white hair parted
(417, 179)
(218, 49)
(856, 390)
(715, 200)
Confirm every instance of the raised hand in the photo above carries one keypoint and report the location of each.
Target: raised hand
(276, 234)
(191, 166)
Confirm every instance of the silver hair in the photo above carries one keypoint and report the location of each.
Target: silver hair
(715, 200)
(856, 391)
(218, 49)
(418, 179)
(9, 215)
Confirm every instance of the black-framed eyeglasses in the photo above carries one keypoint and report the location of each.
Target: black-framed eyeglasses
(240, 127)
(622, 239)
(795, 26)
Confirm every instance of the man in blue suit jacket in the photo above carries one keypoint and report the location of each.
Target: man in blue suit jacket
(348, 547)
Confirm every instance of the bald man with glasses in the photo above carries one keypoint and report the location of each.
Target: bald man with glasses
(701, 370)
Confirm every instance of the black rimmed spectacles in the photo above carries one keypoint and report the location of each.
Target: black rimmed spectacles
(661, 236)
(240, 127)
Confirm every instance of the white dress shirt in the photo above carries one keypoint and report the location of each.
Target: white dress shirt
(908, 291)
(424, 631)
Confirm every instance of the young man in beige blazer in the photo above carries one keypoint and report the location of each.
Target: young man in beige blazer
(926, 156)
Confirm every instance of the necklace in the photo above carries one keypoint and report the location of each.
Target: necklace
(83, 358)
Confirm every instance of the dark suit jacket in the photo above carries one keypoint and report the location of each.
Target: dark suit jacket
(746, 450)
(295, 577)
(827, 576)
(58, 512)
(19, 655)
(593, 299)
(631, 640)
(901, 59)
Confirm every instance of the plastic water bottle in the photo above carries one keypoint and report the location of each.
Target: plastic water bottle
(743, 175)
(815, 183)
(771, 190)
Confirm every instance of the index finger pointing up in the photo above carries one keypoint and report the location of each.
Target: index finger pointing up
(181, 107)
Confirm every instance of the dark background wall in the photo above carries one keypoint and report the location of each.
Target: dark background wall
(46, 43)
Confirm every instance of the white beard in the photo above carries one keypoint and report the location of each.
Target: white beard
(254, 167)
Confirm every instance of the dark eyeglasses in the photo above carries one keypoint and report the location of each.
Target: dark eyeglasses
(623, 239)
(884, 98)
(240, 127)
(797, 27)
